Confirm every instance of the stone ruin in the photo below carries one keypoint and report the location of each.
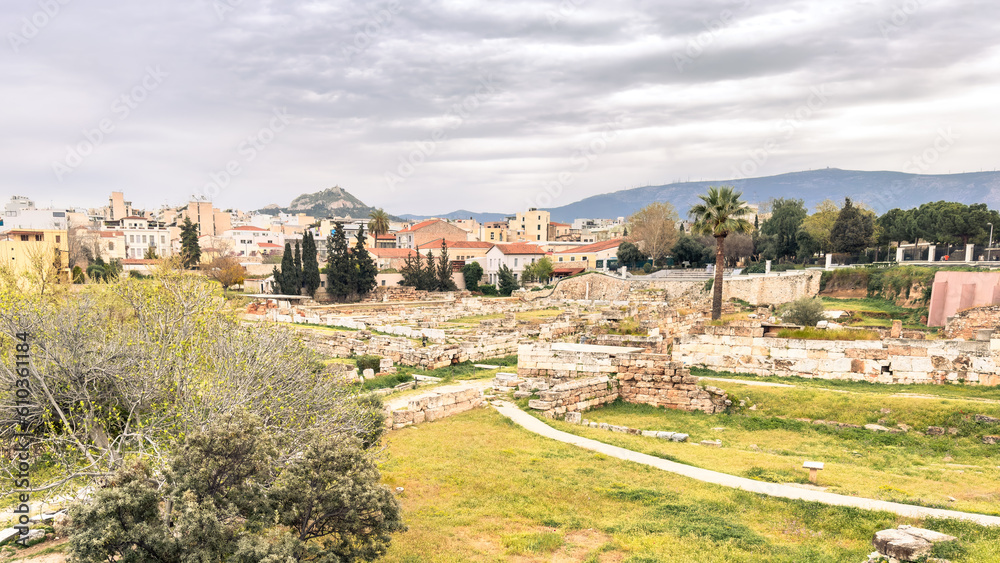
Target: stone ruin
(572, 378)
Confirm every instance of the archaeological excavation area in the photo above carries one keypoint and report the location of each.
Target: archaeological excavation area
(866, 436)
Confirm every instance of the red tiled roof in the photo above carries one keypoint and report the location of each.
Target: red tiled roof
(387, 236)
(111, 234)
(436, 243)
(420, 225)
(519, 248)
(248, 228)
(594, 247)
(392, 252)
(567, 271)
(560, 224)
(269, 245)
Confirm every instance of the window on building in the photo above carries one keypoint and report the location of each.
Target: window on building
(560, 258)
(24, 238)
(111, 246)
(38, 238)
(58, 239)
(539, 227)
(539, 237)
(600, 264)
(515, 262)
(572, 258)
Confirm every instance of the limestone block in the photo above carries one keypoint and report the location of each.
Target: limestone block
(901, 545)
(540, 405)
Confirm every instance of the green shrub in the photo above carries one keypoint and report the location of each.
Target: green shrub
(490, 290)
(367, 362)
(828, 334)
(806, 311)
(384, 381)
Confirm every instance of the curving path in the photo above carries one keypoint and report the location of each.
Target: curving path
(771, 489)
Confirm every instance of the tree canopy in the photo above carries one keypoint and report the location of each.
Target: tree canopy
(721, 212)
(654, 229)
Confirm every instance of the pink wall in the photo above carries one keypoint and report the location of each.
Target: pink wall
(955, 291)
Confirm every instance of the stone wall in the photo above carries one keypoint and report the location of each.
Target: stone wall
(651, 379)
(756, 289)
(407, 352)
(574, 378)
(434, 405)
(744, 349)
(967, 324)
(593, 286)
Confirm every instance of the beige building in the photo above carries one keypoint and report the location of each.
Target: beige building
(494, 231)
(596, 256)
(211, 221)
(426, 231)
(532, 226)
(29, 250)
(459, 251)
(139, 235)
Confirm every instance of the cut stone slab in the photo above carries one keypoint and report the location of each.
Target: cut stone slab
(901, 545)
(678, 437)
(573, 417)
(711, 443)
(485, 366)
(982, 418)
(928, 535)
(8, 535)
(991, 439)
(522, 394)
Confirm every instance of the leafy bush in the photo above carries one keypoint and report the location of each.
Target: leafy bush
(490, 290)
(367, 362)
(385, 381)
(806, 311)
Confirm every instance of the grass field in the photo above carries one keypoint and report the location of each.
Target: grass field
(479, 488)
(876, 312)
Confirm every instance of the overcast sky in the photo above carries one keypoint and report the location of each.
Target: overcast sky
(428, 107)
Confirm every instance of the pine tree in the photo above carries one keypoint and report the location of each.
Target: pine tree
(365, 269)
(286, 280)
(310, 264)
(339, 272)
(190, 249)
(276, 286)
(429, 279)
(444, 281)
(412, 270)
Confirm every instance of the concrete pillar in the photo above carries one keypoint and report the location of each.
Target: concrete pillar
(930, 253)
(899, 254)
(829, 261)
(767, 266)
(969, 249)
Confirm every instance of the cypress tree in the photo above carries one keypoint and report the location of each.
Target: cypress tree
(190, 249)
(297, 281)
(365, 269)
(310, 264)
(339, 274)
(287, 273)
(429, 280)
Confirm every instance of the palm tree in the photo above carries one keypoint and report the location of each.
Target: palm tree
(378, 223)
(722, 212)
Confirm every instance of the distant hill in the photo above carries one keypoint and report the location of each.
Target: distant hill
(460, 214)
(331, 202)
(881, 190)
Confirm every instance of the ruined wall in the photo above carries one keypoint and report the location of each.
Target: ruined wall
(583, 377)
(593, 286)
(745, 349)
(434, 405)
(967, 324)
(651, 379)
(409, 352)
(772, 289)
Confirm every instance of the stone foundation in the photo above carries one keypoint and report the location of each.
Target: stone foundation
(744, 349)
(435, 405)
(574, 378)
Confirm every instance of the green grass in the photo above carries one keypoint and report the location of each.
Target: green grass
(876, 311)
(500, 493)
(769, 444)
(952, 390)
(810, 333)
(384, 381)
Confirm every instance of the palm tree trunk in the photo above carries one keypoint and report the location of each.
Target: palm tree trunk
(720, 261)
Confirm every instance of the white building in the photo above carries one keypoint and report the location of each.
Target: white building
(515, 256)
(138, 235)
(254, 241)
(20, 213)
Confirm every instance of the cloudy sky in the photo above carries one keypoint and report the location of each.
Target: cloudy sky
(427, 107)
